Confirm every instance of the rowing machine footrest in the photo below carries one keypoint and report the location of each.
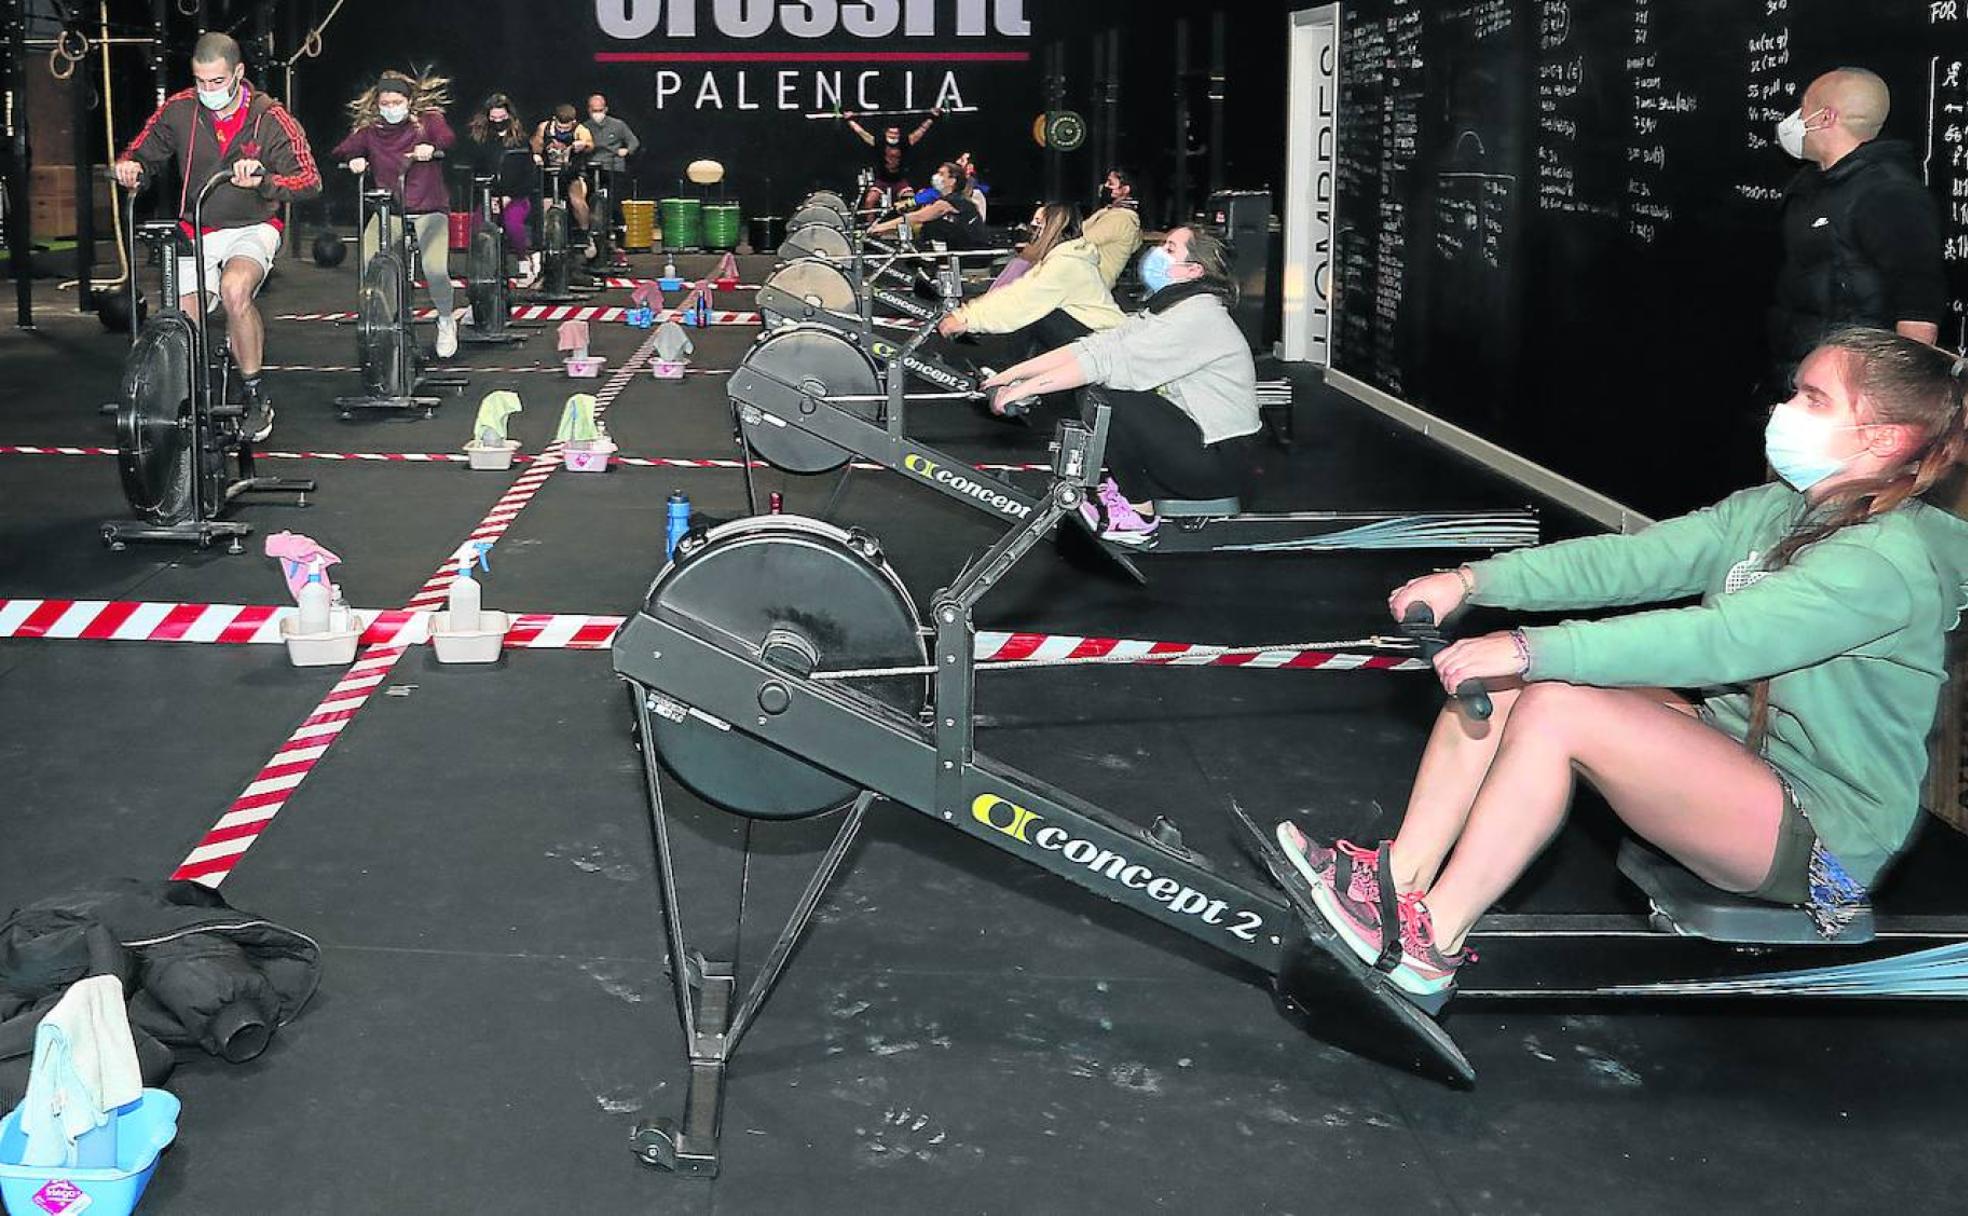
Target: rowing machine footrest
(1696, 909)
(1197, 508)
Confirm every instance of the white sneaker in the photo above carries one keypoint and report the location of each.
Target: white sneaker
(529, 270)
(447, 337)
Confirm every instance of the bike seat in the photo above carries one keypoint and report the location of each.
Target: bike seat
(1198, 508)
(1686, 905)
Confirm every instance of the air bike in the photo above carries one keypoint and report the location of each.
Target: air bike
(487, 288)
(393, 374)
(560, 282)
(779, 670)
(179, 446)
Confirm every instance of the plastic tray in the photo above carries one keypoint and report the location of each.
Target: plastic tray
(491, 456)
(668, 369)
(585, 369)
(588, 457)
(481, 645)
(335, 648)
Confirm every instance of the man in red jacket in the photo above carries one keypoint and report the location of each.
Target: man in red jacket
(223, 124)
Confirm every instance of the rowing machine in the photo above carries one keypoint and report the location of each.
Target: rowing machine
(179, 446)
(778, 671)
(811, 291)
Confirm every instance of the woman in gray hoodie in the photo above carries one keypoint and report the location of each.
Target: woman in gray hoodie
(1181, 382)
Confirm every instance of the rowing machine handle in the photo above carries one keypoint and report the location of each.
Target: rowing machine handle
(1419, 624)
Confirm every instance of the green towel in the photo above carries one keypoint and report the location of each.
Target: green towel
(577, 420)
(492, 414)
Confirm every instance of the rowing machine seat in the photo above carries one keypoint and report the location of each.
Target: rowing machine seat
(1686, 905)
(1197, 508)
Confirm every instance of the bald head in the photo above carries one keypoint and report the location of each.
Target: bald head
(1857, 96)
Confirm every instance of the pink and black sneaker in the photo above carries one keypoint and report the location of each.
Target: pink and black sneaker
(1408, 955)
(1317, 864)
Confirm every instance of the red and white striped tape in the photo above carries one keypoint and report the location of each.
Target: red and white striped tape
(227, 840)
(219, 851)
(259, 624)
(553, 369)
(249, 624)
(549, 312)
(611, 283)
(644, 462)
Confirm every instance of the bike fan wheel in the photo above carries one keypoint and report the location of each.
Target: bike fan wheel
(379, 328)
(154, 425)
(485, 294)
(557, 263)
(819, 363)
(798, 594)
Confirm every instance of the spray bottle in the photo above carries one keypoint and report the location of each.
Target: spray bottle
(461, 605)
(679, 521)
(315, 599)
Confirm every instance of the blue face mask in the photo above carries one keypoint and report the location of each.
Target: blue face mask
(1795, 444)
(1155, 267)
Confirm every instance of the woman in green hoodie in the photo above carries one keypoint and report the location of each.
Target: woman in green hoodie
(1815, 656)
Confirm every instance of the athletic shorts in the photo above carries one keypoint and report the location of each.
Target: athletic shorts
(257, 242)
(1789, 879)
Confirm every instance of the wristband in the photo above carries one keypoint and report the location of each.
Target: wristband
(1467, 579)
(1523, 645)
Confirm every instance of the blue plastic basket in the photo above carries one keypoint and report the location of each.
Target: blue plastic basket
(143, 1129)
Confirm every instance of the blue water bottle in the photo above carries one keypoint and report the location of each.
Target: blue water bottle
(679, 520)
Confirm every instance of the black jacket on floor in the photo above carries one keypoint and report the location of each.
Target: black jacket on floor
(196, 971)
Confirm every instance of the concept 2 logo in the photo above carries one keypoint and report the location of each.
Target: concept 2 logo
(930, 471)
(1030, 829)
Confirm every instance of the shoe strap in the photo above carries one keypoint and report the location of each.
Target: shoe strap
(1390, 914)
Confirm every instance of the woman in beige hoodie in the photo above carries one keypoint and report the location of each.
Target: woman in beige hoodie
(1061, 298)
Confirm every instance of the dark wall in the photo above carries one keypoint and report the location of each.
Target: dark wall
(1558, 219)
(546, 53)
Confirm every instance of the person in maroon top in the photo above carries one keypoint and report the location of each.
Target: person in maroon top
(396, 127)
(223, 123)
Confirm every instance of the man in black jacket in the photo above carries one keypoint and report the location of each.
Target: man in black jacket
(1862, 234)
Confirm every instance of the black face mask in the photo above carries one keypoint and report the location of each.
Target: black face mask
(1023, 233)
(1106, 196)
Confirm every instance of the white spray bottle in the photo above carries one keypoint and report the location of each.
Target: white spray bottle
(315, 599)
(462, 604)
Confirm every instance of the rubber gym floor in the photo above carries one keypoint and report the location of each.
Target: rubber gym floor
(959, 1033)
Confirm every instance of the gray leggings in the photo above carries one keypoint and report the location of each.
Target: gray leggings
(433, 230)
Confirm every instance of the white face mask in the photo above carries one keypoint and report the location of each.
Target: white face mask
(1791, 132)
(216, 99)
(597, 115)
(394, 114)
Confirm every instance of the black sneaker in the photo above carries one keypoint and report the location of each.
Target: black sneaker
(257, 423)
